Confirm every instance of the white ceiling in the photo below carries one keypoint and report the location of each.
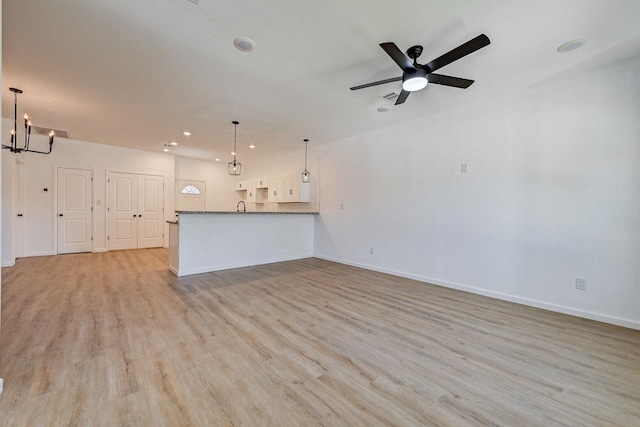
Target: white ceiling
(138, 73)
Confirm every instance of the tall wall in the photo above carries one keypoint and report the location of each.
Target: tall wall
(551, 194)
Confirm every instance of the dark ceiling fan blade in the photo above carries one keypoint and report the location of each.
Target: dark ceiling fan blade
(403, 97)
(396, 54)
(379, 82)
(457, 53)
(440, 79)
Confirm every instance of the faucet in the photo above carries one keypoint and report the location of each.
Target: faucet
(244, 207)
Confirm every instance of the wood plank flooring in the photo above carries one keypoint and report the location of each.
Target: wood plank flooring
(114, 339)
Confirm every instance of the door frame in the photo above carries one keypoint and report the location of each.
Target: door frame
(55, 204)
(19, 230)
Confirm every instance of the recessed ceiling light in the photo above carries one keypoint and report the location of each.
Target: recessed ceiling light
(244, 44)
(572, 45)
(233, 153)
(217, 159)
(166, 150)
(186, 133)
(173, 144)
(252, 146)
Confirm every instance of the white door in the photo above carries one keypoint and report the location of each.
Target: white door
(122, 211)
(136, 211)
(150, 211)
(75, 216)
(190, 195)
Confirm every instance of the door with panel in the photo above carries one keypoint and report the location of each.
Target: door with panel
(150, 211)
(122, 201)
(135, 210)
(75, 210)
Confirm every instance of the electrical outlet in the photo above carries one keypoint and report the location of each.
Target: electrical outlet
(370, 251)
(581, 284)
(463, 168)
(341, 206)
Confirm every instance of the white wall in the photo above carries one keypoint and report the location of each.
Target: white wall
(552, 193)
(39, 214)
(8, 165)
(221, 195)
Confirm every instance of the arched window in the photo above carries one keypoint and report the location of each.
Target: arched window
(190, 189)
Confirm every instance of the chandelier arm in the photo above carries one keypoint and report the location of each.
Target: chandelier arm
(27, 130)
(14, 135)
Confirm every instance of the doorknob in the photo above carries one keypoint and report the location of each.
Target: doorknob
(135, 216)
(20, 215)
(60, 215)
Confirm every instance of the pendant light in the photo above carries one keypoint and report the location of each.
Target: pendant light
(306, 176)
(27, 130)
(235, 167)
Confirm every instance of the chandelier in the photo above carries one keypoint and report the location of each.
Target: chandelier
(14, 148)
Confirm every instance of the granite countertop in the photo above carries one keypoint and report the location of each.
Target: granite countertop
(248, 213)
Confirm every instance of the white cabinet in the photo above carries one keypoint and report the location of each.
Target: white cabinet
(242, 185)
(275, 189)
(249, 192)
(304, 192)
(295, 190)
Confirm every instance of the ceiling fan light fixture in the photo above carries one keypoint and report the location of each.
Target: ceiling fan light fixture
(412, 82)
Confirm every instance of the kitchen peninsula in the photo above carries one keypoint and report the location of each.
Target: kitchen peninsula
(200, 242)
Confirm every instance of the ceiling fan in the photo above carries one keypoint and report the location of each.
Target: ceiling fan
(415, 76)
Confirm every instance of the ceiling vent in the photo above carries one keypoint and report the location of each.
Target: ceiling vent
(391, 96)
(45, 131)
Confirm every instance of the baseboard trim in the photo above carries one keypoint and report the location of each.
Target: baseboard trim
(47, 253)
(8, 263)
(212, 268)
(627, 323)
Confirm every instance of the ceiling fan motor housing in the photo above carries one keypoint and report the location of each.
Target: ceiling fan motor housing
(414, 52)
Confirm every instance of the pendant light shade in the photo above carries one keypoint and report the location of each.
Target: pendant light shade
(235, 167)
(306, 176)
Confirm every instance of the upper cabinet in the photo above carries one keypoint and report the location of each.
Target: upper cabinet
(242, 185)
(295, 190)
(250, 193)
(276, 189)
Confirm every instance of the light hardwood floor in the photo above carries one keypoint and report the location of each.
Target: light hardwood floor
(114, 339)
